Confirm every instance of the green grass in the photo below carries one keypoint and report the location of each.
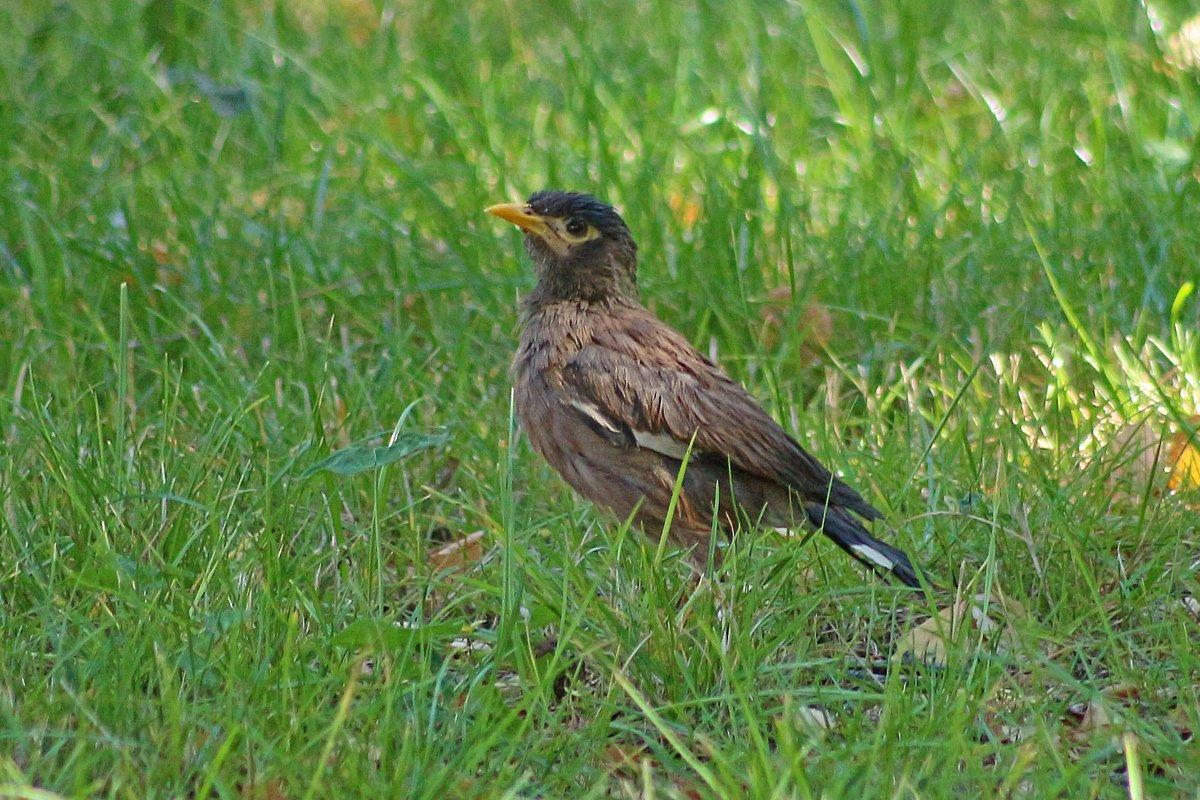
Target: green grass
(237, 237)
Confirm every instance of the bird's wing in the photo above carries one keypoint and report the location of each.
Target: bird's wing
(646, 380)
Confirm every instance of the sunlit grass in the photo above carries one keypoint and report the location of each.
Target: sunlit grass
(236, 238)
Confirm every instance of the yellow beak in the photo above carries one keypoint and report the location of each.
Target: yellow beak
(520, 215)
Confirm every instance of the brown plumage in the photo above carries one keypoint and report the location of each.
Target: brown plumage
(614, 399)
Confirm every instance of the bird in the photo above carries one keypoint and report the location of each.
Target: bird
(623, 407)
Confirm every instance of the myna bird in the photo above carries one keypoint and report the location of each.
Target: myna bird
(615, 401)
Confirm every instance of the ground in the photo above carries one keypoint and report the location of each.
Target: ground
(268, 530)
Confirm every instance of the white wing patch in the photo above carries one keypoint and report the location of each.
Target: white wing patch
(595, 415)
(874, 556)
(661, 443)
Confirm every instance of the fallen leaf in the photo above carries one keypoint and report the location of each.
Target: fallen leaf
(814, 720)
(1184, 459)
(962, 623)
(458, 555)
(1123, 690)
(1103, 711)
(1096, 717)
(927, 641)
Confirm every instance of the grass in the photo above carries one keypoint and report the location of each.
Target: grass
(237, 238)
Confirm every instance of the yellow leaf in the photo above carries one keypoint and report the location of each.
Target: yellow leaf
(1185, 460)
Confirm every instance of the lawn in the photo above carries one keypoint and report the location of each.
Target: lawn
(268, 530)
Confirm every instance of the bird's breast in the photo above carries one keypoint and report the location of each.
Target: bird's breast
(552, 336)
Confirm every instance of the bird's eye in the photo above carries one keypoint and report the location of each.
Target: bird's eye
(576, 227)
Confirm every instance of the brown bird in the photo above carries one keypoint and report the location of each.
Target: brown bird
(616, 401)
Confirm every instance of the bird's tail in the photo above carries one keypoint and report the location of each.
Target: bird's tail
(849, 534)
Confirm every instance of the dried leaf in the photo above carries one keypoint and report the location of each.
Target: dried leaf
(814, 720)
(927, 641)
(1184, 459)
(1096, 717)
(965, 622)
(458, 555)
(1123, 691)
(1103, 711)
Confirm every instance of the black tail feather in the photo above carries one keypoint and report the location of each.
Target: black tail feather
(849, 534)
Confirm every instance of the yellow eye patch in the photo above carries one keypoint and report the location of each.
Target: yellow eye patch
(573, 231)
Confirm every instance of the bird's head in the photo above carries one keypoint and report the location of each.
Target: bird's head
(581, 248)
